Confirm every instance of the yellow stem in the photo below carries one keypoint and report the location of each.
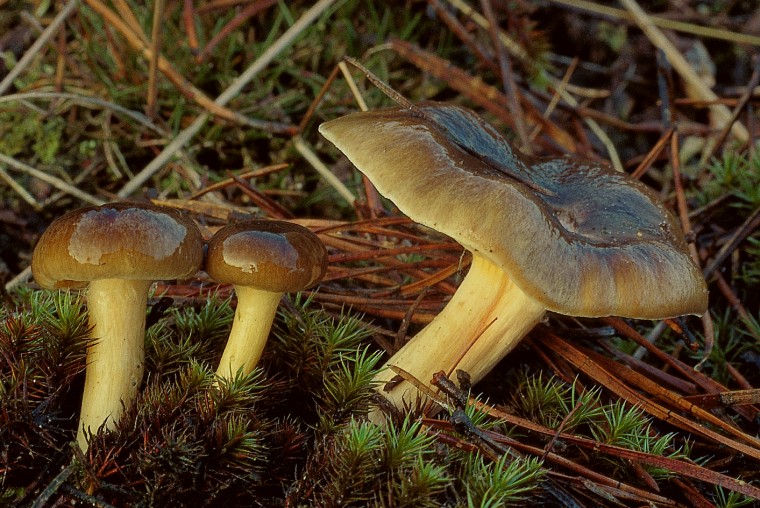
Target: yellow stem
(250, 330)
(514, 315)
(484, 320)
(115, 361)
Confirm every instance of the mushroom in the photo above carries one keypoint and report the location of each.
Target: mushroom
(262, 259)
(119, 250)
(565, 235)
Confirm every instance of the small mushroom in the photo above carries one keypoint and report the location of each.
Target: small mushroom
(262, 259)
(566, 235)
(119, 250)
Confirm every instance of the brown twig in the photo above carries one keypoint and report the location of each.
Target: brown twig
(740, 104)
(683, 214)
(271, 207)
(188, 20)
(653, 154)
(726, 399)
(750, 224)
(507, 76)
(462, 34)
(256, 173)
(241, 17)
(151, 103)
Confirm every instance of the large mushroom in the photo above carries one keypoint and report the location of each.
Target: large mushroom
(262, 259)
(119, 250)
(565, 235)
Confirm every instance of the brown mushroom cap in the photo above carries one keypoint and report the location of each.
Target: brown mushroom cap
(575, 235)
(117, 241)
(273, 256)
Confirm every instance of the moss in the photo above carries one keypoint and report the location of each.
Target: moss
(31, 135)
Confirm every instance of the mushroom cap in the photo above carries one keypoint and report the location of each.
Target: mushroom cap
(269, 255)
(579, 237)
(134, 241)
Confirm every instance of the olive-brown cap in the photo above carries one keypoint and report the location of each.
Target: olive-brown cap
(134, 241)
(270, 255)
(575, 235)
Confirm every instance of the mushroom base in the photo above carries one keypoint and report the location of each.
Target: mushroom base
(115, 361)
(483, 321)
(250, 330)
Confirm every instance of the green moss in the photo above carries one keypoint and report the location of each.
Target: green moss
(289, 432)
(364, 465)
(31, 135)
(506, 482)
(728, 499)
(42, 345)
(735, 175)
(552, 402)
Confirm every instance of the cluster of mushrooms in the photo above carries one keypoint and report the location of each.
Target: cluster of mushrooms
(564, 235)
(119, 250)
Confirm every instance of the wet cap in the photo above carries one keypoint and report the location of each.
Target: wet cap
(273, 256)
(117, 241)
(575, 235)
